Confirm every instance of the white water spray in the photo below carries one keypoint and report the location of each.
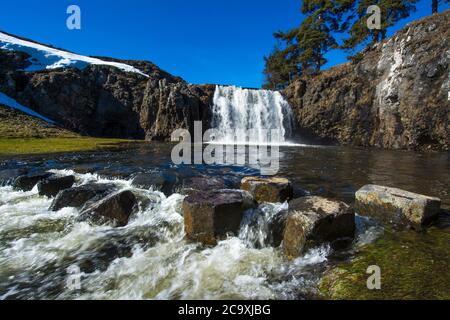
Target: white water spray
(238, 110)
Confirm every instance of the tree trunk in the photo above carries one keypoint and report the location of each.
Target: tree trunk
(434, 6)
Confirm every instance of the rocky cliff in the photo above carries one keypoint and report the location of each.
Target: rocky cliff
(104, 101)
(394, 96)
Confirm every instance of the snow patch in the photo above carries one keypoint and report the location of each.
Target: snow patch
(4, 99)
(43, 57)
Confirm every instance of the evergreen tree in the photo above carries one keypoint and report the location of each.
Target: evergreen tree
(391, 12)
(280, 69)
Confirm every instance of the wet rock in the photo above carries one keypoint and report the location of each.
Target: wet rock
(396, 206)
(191, 185)
(8, 176)
(161, 181)
(51, 186)
(210, 216)
(272, 189)
(116, 208)
(314, 220)
(27, 182)
(77, 197)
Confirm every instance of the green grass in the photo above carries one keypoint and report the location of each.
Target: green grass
(21, 134)
(18, 146)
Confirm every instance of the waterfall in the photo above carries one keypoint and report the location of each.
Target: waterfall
(246, 116)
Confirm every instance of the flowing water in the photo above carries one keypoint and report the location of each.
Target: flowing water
(150, 259)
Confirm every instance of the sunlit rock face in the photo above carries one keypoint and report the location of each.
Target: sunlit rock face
(394, 95)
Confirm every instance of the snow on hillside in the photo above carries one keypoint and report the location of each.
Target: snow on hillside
(7, 101)
(43, 57)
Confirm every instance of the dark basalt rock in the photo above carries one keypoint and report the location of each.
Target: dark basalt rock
(116, 209)
(27, 182)
(193, 184)
(210, 215)
(161, 181)
(52, 185)
(77, 197)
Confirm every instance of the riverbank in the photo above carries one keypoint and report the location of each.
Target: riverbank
(21, 134)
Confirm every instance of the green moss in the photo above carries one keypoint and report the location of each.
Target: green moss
(16, 146)
(413, 266)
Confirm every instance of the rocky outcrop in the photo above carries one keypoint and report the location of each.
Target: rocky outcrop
(77, 197)
(397, 206)
(28, 181)
(271, 189)
(54, 184)
(314, 220)
(161, 181)
(116, 209)
(210, 215)
(393, 95)
(105, 101)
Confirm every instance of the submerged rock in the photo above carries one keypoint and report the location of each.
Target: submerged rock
(210, 216)
(397, 206)
(28, 181)
(8, 176)
(51, 186)
(77, 197)
(161, 181)
(116, 208)
(191, 185)
(316, 220)
(271, 189)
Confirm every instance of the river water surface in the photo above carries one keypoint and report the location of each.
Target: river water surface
(149, 258)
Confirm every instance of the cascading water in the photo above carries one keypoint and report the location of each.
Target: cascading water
(246, 116)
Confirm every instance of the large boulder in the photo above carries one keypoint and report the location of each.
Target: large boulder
(191, 185)
(116, 208)
(272, 189)
(51, 186)
(396, 206)
(77, 197)
(28, 181)
(161, 181)
(211, 215)
(314, 220)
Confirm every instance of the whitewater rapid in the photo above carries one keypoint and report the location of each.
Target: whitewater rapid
(147, 259)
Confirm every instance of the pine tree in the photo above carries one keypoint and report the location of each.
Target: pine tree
(391, 12)
(280, 69)
(315, 35)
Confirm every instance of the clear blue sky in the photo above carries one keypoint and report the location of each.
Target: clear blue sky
(203, 41)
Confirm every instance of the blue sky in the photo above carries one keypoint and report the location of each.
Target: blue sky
(203, 41)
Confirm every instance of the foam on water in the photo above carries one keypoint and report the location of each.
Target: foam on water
(147, 259)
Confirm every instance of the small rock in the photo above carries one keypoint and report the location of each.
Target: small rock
(397, 206)
(52, 185)
(27, 182)
(77, 197)
(210, 215)
(164, 182)
(116, 208)
(271, 189)
(314, 220)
